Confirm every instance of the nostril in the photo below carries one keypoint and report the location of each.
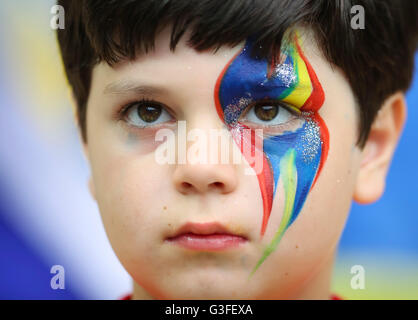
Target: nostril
(186, 185)
(218, 185)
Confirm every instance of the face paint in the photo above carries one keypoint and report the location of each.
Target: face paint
(296, 155)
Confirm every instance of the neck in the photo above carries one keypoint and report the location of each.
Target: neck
(140, 294)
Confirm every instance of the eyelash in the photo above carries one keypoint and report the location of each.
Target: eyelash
(122, 112)
(292, 109)
(124, 109)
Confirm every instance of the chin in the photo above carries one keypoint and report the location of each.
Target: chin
(211, 286)
(221, 292)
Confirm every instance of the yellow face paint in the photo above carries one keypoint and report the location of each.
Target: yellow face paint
(296, 156)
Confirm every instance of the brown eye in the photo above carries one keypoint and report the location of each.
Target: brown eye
(146, 113)
(149, 113)
(266, 112)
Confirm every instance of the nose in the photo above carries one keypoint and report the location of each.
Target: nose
(207, 164)
(202, 178)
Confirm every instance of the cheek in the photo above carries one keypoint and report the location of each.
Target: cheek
(310, 241)
(125, 174)
(127, 191)
(322, 219)
(318, 227)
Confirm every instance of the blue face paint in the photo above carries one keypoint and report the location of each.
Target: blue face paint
(295, 155)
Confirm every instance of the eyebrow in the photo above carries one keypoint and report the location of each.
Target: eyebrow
(129, 86)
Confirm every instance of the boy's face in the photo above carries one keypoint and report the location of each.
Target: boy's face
(144, 203)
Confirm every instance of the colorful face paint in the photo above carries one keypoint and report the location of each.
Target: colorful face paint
(296, 155)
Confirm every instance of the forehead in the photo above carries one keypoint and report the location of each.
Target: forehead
(178, 70)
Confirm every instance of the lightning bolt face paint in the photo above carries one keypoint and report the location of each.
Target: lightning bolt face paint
(295, 153)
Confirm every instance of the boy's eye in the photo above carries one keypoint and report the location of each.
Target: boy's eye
(268, 114)
(146, 113)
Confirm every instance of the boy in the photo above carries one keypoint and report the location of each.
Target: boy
(313, 107)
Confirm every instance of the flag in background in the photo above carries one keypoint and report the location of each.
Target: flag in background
(47, 215)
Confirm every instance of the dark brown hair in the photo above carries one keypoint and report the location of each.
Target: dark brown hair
(377, 60)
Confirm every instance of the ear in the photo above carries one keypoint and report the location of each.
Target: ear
(379, 149)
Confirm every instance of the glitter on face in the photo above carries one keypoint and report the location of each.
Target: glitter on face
(311, 141)
(286, 74)
(235, 110)
(295, 156)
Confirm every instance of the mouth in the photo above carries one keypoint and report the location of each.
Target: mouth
(211, 236)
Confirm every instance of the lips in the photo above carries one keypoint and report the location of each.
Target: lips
(211, 236)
